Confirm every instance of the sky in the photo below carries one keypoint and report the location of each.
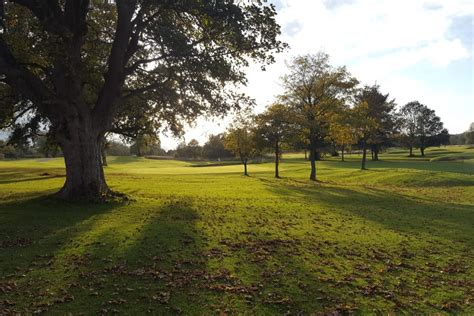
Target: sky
(415, 50)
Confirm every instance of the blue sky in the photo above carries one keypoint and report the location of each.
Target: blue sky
(415, 50)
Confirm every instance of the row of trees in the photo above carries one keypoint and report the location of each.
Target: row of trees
(323, 107)
(213, 149)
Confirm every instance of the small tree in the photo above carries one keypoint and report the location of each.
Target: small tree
(342, 133)
(365, 125)
(240, 140)
(274, 128)
(420, 125)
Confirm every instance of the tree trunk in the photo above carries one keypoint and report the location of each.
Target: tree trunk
(411, 151)
(104, 157)
(422, 146)
(372, 152)
(342, 153)
(103, 153)
(245, 166)
(312, 158)
(84, 174)
(364, 154)
(375, 153)
(277, 159)
(305, 154)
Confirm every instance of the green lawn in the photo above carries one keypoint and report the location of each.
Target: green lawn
(398, 237)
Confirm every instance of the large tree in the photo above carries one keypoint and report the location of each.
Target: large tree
(315, 90)
(75, 65)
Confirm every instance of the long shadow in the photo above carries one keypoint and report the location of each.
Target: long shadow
(13, 175)
(393, 210)
(443, 166)
(45, 177)
(109, 258)
(32, 230)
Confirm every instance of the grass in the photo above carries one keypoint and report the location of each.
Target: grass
(395, 238)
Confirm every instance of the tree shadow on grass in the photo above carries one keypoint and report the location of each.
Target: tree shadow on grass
(13, 175)
(393, 210)
(30, 224)
(155, 258)
(106, 259)
(43, 177)
(442, 166)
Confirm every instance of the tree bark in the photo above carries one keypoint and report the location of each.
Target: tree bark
(342, 153)
(375, 152)
(103, 153)
(245, 166)
(277, 159)
(364, 154)
(411, 151)
(305, 154)
(422, 150)
(312, 158)
(84, 173)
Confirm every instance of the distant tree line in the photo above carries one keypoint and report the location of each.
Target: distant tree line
(466, 138)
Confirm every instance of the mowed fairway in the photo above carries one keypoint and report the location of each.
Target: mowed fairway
(196, 240)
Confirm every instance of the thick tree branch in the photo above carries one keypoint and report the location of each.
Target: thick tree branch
(24, 82)
(114, 77)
